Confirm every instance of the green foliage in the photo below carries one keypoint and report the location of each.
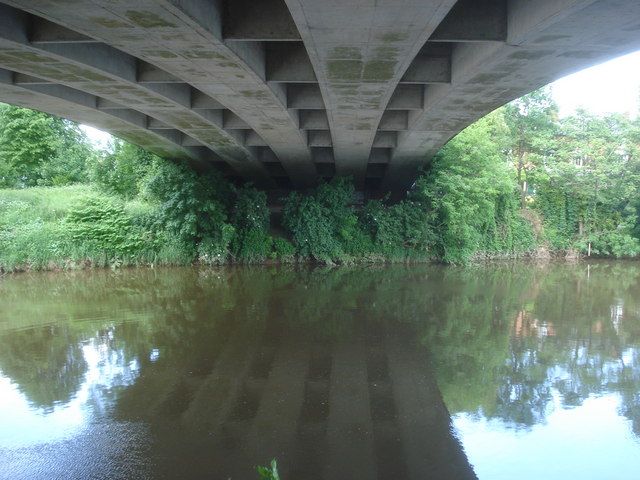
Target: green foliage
(250, 217)
(67, 227)
(398, 230)
(270, 472)
(469, 194)
(122, 171)
(190, 207)
(39, 149)
(577, 177)
(324, 223)
(283, 250)
(104, 225)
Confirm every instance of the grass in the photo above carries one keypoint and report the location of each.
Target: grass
(34, 235)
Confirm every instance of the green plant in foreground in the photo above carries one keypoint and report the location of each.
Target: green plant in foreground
(270, 472)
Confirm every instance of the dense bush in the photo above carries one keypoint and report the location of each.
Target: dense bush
(191, 207)
(104, 225)
(123, 171)
(577, 180)
(323, 223)
(250, 218)
(398, 231)
(470, 196)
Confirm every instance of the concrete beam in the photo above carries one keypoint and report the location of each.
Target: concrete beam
(546, 40)
(255, 140)
(23, 79)
(394, 120)
(265, 20)
(153, 124)
(407, 97)
(313, 120)
(380, 155)
(304, 96)
(360, 51)
(148, 73)
(233, 121)
(431, 65)
(185, 39)
(200, 100)
(385, 140)
(320, 138)
(474, 21)
(82, 107)
(106, 72)
(322, 155)
(43, 31)
(104, 104)
(288, 62)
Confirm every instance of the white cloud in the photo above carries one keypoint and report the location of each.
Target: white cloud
(99, 138)
(611, 87)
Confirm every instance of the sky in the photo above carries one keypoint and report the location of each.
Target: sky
(611, 87)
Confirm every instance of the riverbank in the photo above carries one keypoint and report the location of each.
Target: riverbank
(80, 227)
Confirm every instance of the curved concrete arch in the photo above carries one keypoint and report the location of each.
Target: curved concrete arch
(83, 108)
(360, 52)
(185, 39)
(544, 42)
(102, 70)
(290, 91)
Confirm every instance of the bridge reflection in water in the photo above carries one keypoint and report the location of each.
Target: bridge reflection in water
(344, 373)
(364, 406)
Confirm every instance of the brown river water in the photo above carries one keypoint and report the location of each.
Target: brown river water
(398, 372)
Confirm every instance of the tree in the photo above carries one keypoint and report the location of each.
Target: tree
(531, 121)
(122, 171)
(39, 149)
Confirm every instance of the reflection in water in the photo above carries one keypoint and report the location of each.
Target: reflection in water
(340, 373)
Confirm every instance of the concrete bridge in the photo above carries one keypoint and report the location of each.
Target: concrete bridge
(285, 92)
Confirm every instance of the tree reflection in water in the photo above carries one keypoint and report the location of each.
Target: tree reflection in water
(334, 371)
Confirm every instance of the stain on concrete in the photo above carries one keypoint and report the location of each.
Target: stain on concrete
(159, 54)
(551, 38)
(391, 37)
(346, 53)
(147, 19)
(379, 70)
(581, 54)
(530, 54)
(109, 22)
(344, 69)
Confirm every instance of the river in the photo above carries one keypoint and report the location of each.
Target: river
(491, 372)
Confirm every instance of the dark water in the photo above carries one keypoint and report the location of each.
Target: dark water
(501, 372)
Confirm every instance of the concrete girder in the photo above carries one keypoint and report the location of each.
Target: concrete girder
(546, 40)
(101, 70)
(44, 31)
(185, 39)
(304, 96)
(360, 52)
(399, 78)
(474, 21)
(266, 20)
(313, 119)
(82, 107)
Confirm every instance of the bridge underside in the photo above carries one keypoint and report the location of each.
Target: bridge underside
(284, 93)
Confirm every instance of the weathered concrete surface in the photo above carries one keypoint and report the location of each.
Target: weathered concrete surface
(360, 50)
(546, 39)
(285, 92)
(83, 108)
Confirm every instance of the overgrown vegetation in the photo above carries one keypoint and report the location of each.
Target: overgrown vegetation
(270, 472)
(517, 180)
